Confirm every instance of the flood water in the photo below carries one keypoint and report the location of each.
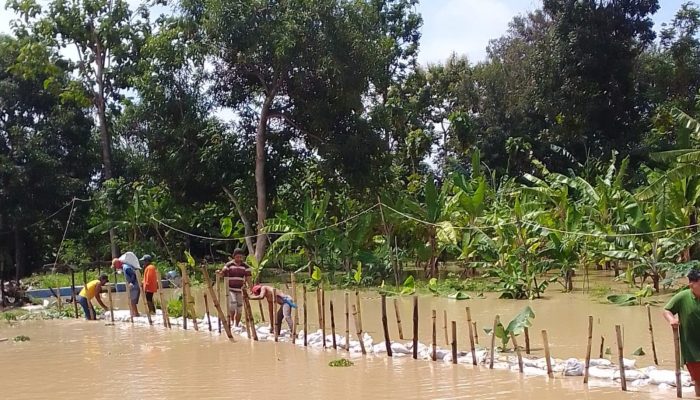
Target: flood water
(77, 358)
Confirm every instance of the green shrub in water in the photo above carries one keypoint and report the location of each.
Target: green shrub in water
(341, 363)
(21, 338)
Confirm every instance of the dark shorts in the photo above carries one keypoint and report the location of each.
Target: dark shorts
(134, 294)
(149, 297)
(694, 370)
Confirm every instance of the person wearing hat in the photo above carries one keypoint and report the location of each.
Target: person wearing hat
(150, 281)
(92, 290)
(132, 284)
(284, 313)
(238, 274)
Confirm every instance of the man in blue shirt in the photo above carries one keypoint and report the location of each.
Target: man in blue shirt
(132, 284)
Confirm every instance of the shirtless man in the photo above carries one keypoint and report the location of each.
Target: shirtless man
(285, 312)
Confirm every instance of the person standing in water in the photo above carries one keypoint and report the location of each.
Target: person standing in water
(239, 274)
(92, 290)
(132, 284)
(150, 282)
(683, 310)
(285, 312)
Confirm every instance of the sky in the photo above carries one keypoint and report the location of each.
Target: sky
(460, 26)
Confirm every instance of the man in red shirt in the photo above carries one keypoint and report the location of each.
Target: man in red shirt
(239, 274)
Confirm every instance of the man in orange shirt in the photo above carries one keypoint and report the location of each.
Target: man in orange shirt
(150, 281)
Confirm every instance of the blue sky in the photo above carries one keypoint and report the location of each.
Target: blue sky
(461, 26)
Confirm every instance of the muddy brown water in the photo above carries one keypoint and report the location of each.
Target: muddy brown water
(78, 358)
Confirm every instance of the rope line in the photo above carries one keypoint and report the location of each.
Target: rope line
(65, 231)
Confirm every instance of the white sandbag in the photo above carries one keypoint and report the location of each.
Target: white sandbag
(573, 367)
(534, 371)
(400, 348)
(629, 364)
(630, 375)
(640, 383)
(600, 362)
(601, 372)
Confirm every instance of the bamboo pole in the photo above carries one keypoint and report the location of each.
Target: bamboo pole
(335, 345)
(527, 341)
(547, 355)
(347, 323)
(306, 325)
(454, 342)
(651, 335)
(319, 313)
(273, 315)
(472, 348)
(385, 325)
(143, 296)
(296, 309)
(398, 318)
(415, 327)
(218, 293)
(206, 309)
(493, 342)
(215, 300)
(517, 352)
(677, 353)
(72, 291)
(623, 381)
(228, 302)
(476, 333)
(434, 343)
(194, 305)
(444, 327)
(588, 349)
(359, 307)
(358, 326)
(323, 316)
(250, 320)
(163, 304)
(602, 346)
(111, 304)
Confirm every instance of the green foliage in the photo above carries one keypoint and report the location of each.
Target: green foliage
(342, 362)
(516, 326)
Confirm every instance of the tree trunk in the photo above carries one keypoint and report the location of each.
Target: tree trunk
(246, 222)
(260, 186)
(19, 254)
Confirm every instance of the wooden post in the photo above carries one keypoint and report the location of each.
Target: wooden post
(228, 302)
(306, 325)
(434, 352)
(347, 323)
(358, 327)
(206, 309)
(517, 351)
(454, 342)
(319, 312)
(472, 348)
(143, 296)
(651, 334)
(323, 316)
(218, 293)
(262, 314)
(527, 341)
(493, 342)
(59, 303)
(273, 314)
(385, 325)
(111, 305)
(359, 307)
(602, 346)
(296, 309)
(335, 345)
(398, 318)
(250, 320)
(72, 292)
(547, 355)
(185, 277)
(444, 327)
(476, 333)
(415, 327)
(163, 304)
(588, 349)
(623, 381)
(677, 353)
(215, 300)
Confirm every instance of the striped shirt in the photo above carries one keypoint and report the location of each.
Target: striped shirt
(236, 275)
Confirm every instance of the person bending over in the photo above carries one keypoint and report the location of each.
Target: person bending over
(285, 312)
(92, 290)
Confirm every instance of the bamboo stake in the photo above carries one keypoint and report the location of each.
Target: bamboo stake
(306, 325)
(206, 309)
(59, 301)
(493, 342)
(296, 309)
(163, 304)
(358, 326)
(359, 307)
(385, 325)
(434, 353)
(602, 345)
(454, 342)
(547, 354)
(228, 302)
(218, 293)
(347, 323)
(249, 311)
(319, 313)
(215, 300)
(335, 345)
(517, 352)
(588, 348)
(72, 291)
(527, 341)
(444, 327)
(415, 327)
(323, 316)
(677, 353)
(194, 305)
(273, 314)
(623, 381)
(476, 334)
(111, 305)
(651, 334)
(472, 348)
(143, 296)
(398, 318)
